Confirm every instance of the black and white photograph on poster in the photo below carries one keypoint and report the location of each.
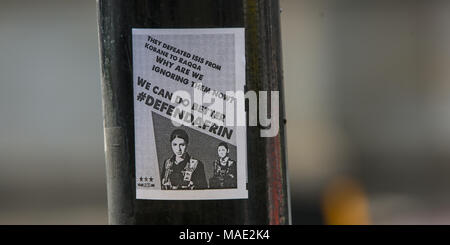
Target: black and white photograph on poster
(192, 160)
(184, 86)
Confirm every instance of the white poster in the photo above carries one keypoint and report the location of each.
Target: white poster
(188, 145)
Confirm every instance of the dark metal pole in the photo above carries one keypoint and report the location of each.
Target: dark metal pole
(268, 201)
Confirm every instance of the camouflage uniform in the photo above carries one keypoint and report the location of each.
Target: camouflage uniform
(188, 174)
(224, 174)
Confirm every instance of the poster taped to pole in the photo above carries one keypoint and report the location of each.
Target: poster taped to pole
(190, 133)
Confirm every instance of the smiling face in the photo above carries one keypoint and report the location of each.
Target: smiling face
(222, 151)
(178, 146)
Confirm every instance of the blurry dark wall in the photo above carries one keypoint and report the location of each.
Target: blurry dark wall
(51, 135)
(367, 89)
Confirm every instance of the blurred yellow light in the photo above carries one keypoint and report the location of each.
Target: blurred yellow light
(345, 203)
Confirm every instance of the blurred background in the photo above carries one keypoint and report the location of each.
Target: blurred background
(367, 98)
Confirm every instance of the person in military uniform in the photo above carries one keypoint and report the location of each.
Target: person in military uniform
(181, 171)
(224, 169)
